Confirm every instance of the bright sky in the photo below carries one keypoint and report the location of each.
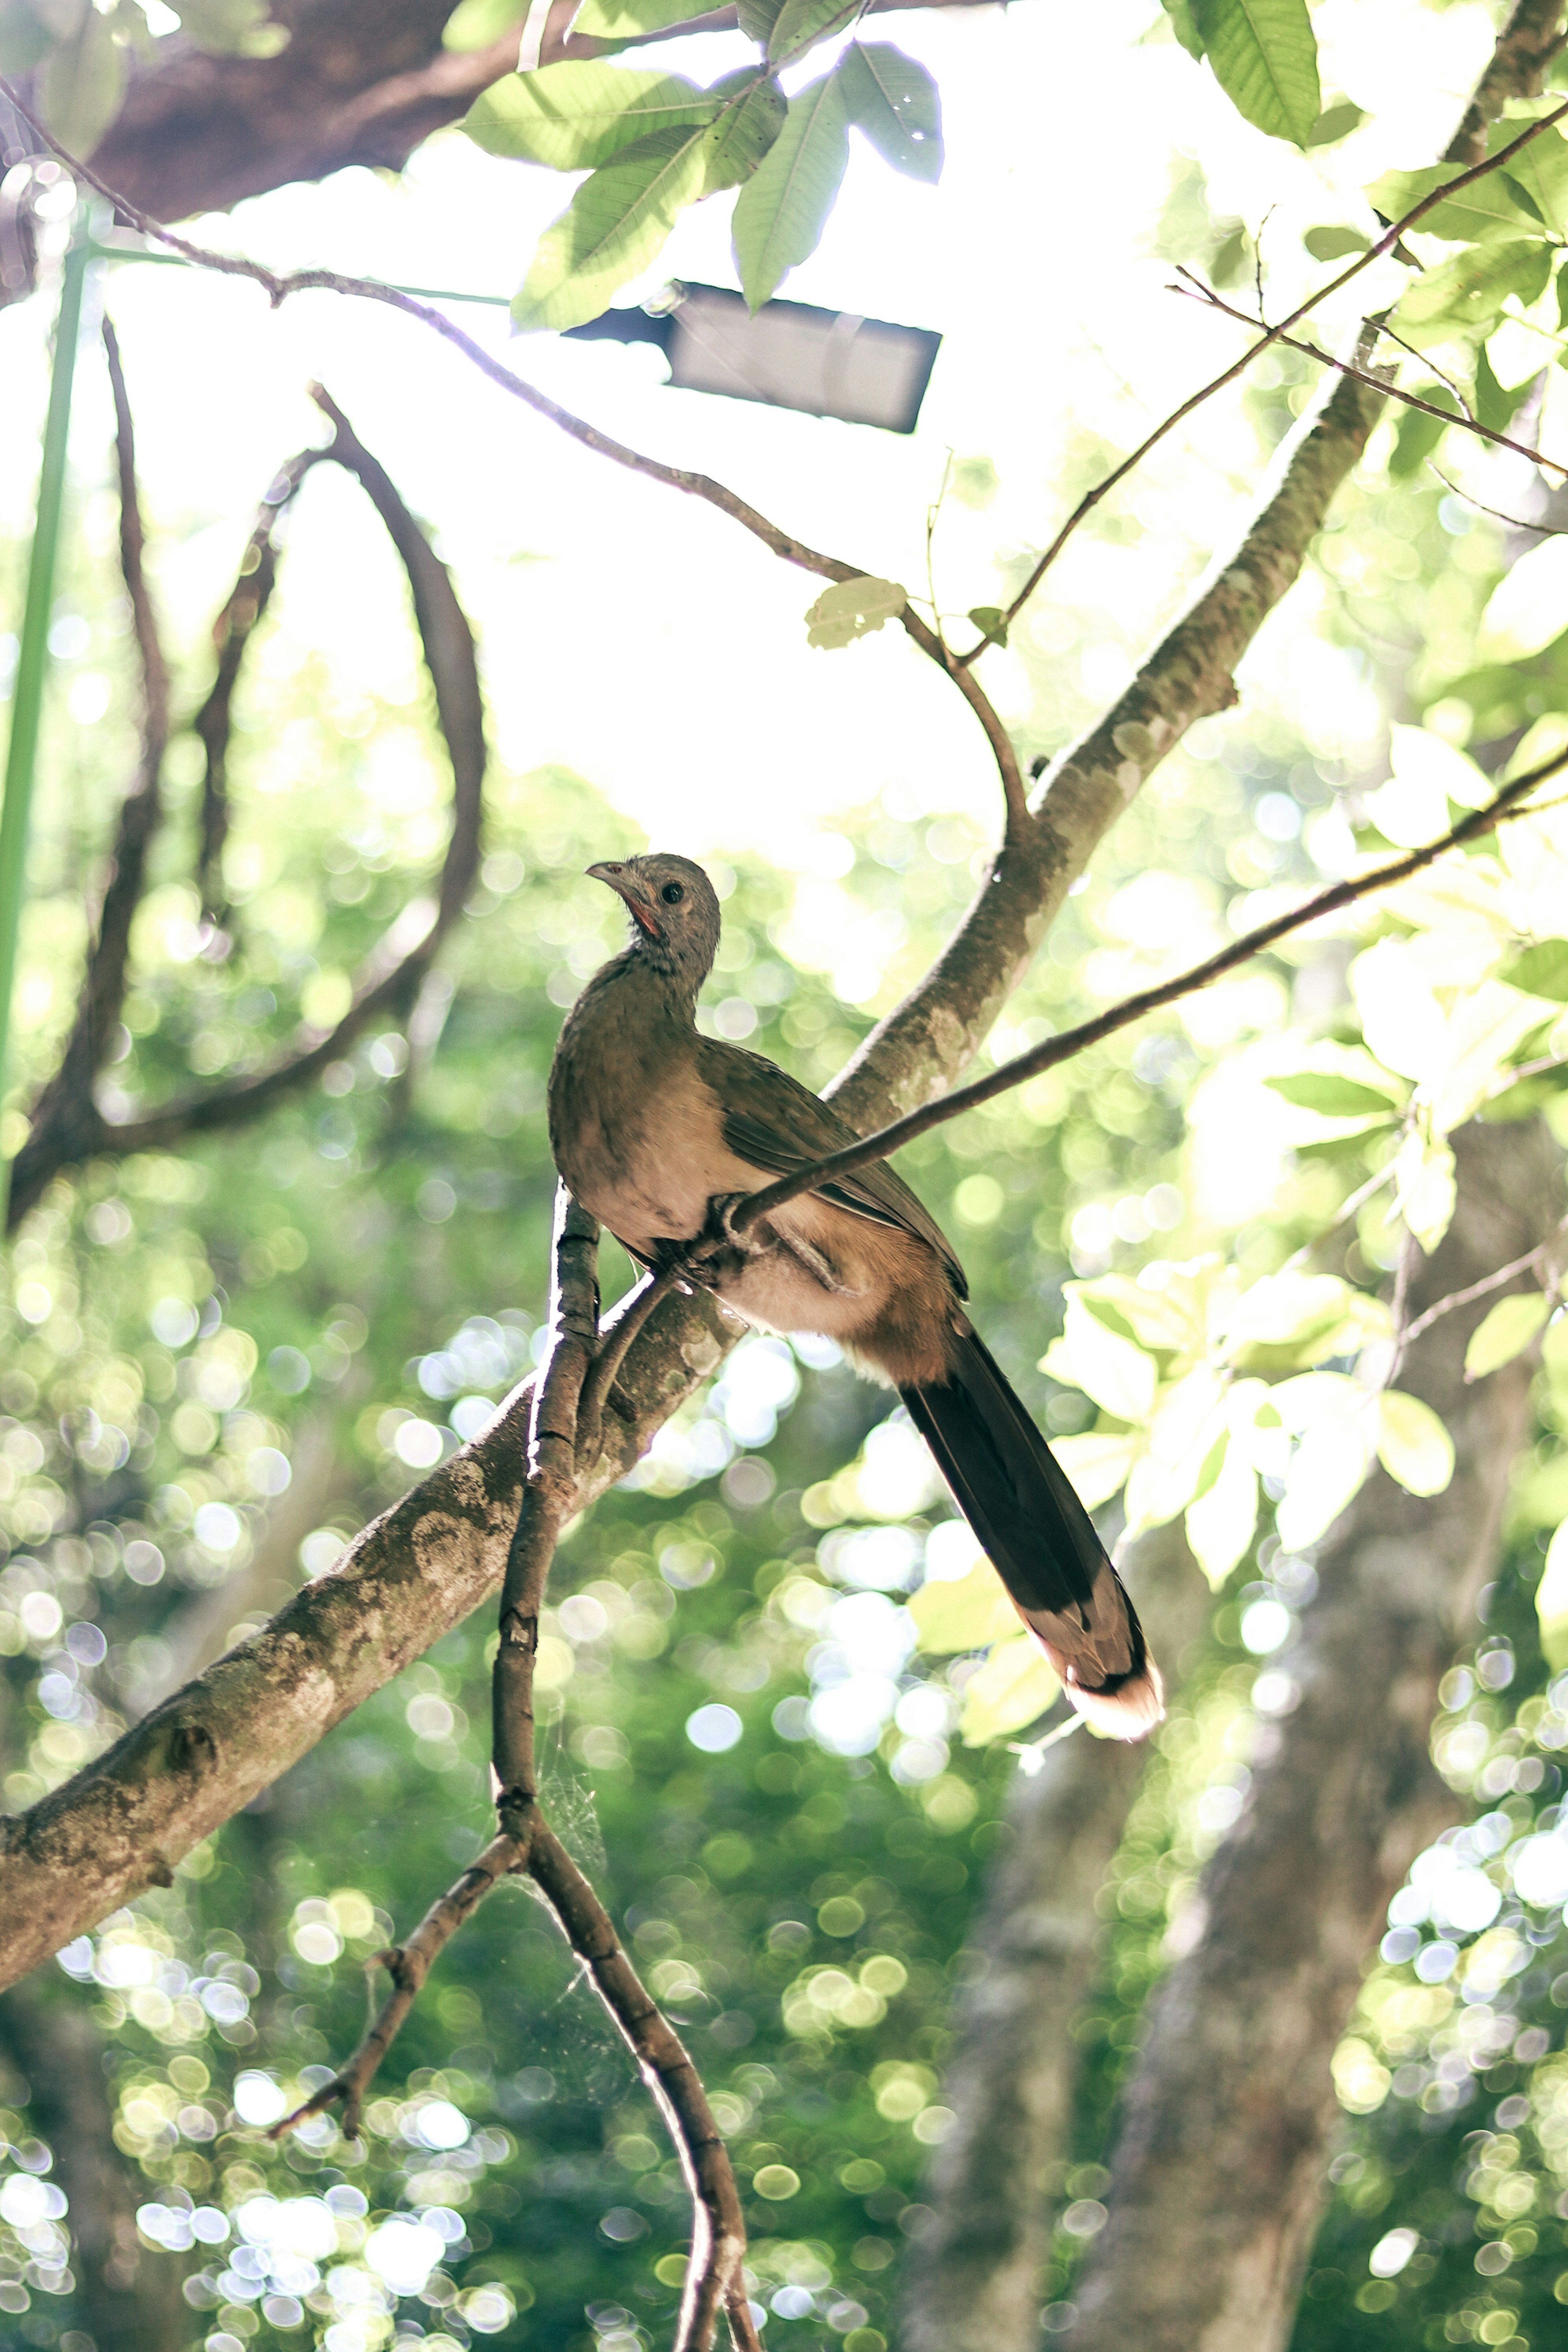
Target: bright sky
(643, 640)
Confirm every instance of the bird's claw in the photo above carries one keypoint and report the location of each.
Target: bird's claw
(719, 1253)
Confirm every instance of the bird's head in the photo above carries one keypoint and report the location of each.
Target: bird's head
(674, 910)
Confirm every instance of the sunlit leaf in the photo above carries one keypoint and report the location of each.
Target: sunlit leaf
(1097, 1463)
(780, 212)
(1117, 1374)
(801, 23)
(233, 29)
(1265, 58)
(968, 1612)
(577, 115)
(1540, 171)
(1541, 970)
(1528, 609)
(1221, 1522)
(1465, 296)
(1289, 1322)
(1479, 1036)
(1400, 1019)
(852, 609)
(1414, 753)
(1486, 208)
(1012, 1689)
(741, 136)
(894, 102)
(1313, 1397)
(622, 20)
(1505, 1333)
(1327, 1469)
(1552, 1601)
(475, 24)
(614, 227)
(1425, 1194)
(1189, 1415)
(1413, 1445)
(1334, 1097)
(1184, 26)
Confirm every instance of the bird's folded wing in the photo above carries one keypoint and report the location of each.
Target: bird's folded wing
(775, 1122)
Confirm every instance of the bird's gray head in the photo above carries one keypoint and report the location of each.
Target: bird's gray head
(675, 914)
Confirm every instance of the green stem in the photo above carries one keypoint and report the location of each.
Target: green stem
(32, 658)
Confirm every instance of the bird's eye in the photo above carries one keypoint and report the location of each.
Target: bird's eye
(672, 894)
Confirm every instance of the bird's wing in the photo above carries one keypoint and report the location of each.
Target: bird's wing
(775, 1122)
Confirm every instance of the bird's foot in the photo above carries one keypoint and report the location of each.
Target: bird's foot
(719, 1254)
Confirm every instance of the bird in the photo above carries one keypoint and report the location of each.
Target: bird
(658, 1130)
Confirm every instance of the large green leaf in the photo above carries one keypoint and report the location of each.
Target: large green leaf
(578, 115)
(967, 1613)
(744, 129)
(1334, 1097)
(614, 227)
(801, 23)
(852, 609)
(894, 102)
(1413, 1445)
(1465, 296)
(233, 29)
(1505, 1332)
(82, 85)
(1013, 1688)
(1486, 208)
(622, 20)
(1540, 171)
(782, 209)
(1265, 57)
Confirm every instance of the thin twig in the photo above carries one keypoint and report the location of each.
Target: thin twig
(769, 1198)
(612, 1353)
(1196, 291)
(391, 973)
(1476, 1290)
(1515, 522)
(1275, 334)
(408, 1965)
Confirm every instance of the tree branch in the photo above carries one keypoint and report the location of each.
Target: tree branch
(1052, 1051)
(393, 970)
(66, 1121)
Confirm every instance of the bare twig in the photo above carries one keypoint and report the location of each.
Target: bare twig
(1514, 523)
(1197, 290)
(65, 1121)
(1054, 1050)
(408, 1965)
(611, 1354)
(1275, 334)
(391, 972)
(1477, 1290)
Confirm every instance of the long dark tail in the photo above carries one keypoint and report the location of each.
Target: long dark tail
(1023, 1506)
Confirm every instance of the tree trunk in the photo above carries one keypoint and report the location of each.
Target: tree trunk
(1218, 2180)
(972, 2278)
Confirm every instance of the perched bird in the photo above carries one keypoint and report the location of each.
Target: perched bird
(657, 1130)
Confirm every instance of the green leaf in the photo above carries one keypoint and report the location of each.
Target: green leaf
(1332, 1097)
(1541, 970)
(1221, 1522)
(801, 23)
(614, 227)
(1505, 1333)
(742, 134)
(1495, 404)
(233, 29)
(1116, 1372)
(1013, 1688)
(1332, 243)
(622, 20)
(1265, 57)
(1418, 435)
(1539, 173)
(968, 1612)
(475, 24)
(1336, 123)
(1465, 296)
(1552, 1601)
(579, 114)
(1486, 208)
(1097, 1463)
(1185, 27)
(782, 210)
(757, 19)
(1413, 1445)
(895, 102)
(82, 85)
(851, 609)
(988, 619)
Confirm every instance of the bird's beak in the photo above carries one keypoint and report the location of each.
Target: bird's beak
(637, 897)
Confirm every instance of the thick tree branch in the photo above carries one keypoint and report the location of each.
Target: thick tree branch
(1218, 2181)
(73, 1125)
